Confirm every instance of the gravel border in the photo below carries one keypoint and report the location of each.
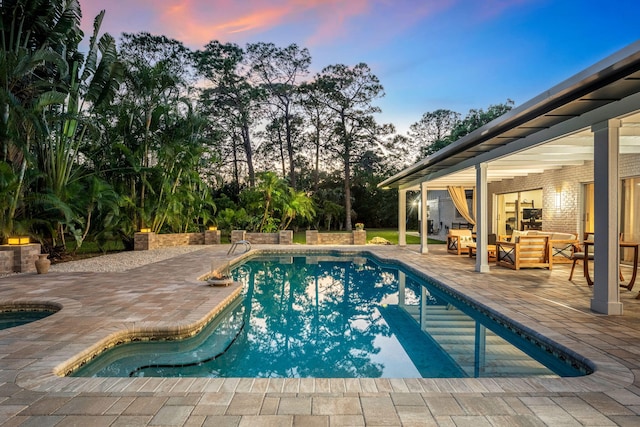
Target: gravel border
(122, 261)
(117, 262)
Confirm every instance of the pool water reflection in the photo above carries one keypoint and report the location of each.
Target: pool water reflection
(334, 316)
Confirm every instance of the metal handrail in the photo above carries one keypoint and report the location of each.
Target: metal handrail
(246, 243)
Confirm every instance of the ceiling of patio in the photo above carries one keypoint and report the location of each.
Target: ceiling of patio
(570, 150)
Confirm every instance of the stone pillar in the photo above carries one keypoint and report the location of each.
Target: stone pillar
(285, 237)
(144, 241)
(606, 291)
(311, 237)
(23, 258)
(237, 235)
(6, 261)
(212, 237)
(359, 237)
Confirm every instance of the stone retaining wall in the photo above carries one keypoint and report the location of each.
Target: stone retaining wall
(283, 237)
(147, 241)
(356, 237)
(19, 258)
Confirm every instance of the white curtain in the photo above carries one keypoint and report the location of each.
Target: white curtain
(460, 202)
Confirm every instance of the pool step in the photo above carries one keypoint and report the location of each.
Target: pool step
(455, 332)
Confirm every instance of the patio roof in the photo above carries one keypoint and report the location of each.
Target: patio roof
(550, 131)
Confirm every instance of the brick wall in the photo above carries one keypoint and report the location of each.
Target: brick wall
(6, 261)
(569, 180)
(283, 237)
(357, 237)
(21, 258)
(148, 241)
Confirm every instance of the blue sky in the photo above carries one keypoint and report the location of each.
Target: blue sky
(428, 54)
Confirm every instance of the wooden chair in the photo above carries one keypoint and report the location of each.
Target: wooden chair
(525, 252)
(579, 254)
(458, 241)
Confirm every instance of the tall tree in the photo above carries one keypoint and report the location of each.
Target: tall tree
(350, 92)
(278, 71)
(156, 79)
(476, 118)
(428, 133)
(319, 129)
(230, 96)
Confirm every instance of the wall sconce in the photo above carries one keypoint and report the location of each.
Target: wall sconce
(558, 199)
(145, 230)
(19, 240)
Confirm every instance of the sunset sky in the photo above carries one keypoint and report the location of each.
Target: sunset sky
(428, 54)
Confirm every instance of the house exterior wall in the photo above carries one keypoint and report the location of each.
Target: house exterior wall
(569, 180)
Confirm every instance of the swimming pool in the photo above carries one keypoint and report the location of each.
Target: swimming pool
(326, 315)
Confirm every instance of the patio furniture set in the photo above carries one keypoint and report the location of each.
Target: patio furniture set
(537, 249)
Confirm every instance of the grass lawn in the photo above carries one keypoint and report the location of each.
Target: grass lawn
(389, 234)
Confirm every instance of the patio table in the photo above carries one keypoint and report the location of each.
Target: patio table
(491, 249)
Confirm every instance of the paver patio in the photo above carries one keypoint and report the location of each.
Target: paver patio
(167, 297)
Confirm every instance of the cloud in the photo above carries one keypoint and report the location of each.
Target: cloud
(308, 22)
(195, 22)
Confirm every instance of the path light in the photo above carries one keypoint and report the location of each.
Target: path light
(18, 240)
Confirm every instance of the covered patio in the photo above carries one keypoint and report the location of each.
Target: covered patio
(583, 130)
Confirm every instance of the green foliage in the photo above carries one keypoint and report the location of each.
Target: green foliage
(95, 145)
(271, 206)
(435, 133)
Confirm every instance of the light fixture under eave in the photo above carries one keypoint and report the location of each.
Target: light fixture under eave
(558, 200)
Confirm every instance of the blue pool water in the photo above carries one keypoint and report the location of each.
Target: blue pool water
(338, 316)
(13, 318)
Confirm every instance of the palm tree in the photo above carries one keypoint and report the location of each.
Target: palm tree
(297, 205)
(273, 190)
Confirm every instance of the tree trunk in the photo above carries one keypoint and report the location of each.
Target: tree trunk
(282, 161)
(292, 171)
(246, 141)
(347, 190)
(236, 174)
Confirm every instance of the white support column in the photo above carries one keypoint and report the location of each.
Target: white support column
(606, 292)
(424, 229)
(402, 217)
(482, 224)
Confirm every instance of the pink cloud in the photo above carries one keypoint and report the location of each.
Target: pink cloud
(309, 22)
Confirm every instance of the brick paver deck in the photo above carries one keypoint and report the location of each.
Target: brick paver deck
(100, 309)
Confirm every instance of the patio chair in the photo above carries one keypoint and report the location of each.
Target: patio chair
(524, 252)
(579, 255)
(458, 241)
